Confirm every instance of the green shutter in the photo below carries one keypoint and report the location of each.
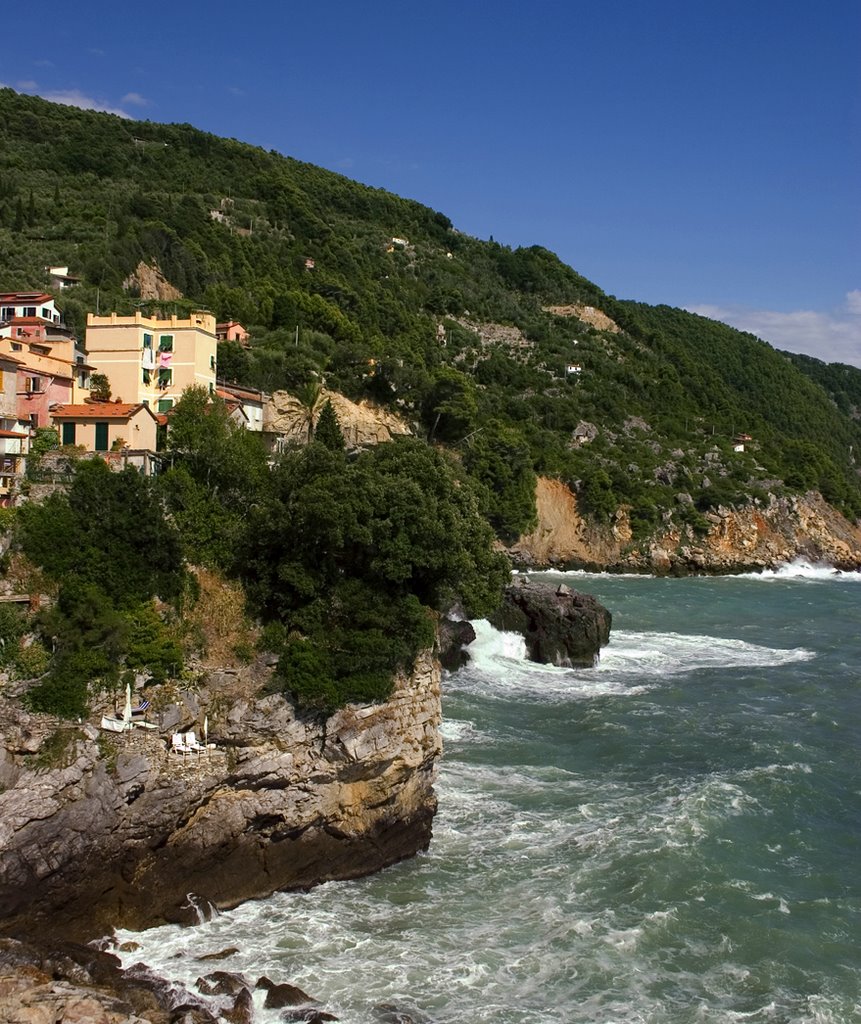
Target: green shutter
(101, 437)
(68, 433)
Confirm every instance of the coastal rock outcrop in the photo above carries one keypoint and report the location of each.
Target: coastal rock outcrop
(761, 535)
(115, 830)
(561, 626)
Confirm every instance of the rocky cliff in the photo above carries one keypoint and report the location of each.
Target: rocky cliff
(757, 536)
(101, 829)
(362, 423)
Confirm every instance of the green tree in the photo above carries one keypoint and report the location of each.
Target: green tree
(100, 387)
(345, 554)
(328, 429)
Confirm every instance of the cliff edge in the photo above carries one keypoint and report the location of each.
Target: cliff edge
(121, 830)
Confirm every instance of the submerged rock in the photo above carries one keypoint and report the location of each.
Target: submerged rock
(561, 626)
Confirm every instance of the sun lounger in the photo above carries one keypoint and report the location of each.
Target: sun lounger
(191, 742)
(141, 709)
(177, 744)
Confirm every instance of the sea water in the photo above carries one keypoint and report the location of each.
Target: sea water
(672, 837)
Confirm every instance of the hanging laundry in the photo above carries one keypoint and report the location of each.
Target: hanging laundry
(164, 358)
(148, 360)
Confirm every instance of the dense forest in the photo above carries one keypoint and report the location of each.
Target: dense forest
(494, 355)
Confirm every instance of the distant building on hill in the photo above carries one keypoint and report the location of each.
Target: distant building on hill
(232, 330)
(60, 278)
(151, 361)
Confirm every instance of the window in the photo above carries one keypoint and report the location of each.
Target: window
(46, 313)
(17, 346)
(29, 311)
(147, 341)
(1, 380)
(147, 376)
(101, 437)
(165, 378)
(8, 312)
(211, 388)
(33, 385)
(165, 343)
(68, 433)
(165, 404)
(212, 362)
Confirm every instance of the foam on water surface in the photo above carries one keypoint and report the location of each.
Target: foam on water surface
(632, 663)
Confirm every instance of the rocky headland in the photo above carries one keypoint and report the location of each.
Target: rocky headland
(101, 830)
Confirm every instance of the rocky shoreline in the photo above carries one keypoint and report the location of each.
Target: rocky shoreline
(762, 535)
(101, 831)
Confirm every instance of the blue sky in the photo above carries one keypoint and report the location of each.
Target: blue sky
(701, 154)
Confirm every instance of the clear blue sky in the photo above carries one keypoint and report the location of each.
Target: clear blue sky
(697, 153)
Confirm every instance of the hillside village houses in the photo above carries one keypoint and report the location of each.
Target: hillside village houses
(45, 377)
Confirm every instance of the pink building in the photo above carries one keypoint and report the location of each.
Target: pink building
(232, 330)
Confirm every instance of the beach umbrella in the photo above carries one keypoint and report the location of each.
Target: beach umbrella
(127, 710)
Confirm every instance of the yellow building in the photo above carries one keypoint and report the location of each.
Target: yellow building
(152, 361)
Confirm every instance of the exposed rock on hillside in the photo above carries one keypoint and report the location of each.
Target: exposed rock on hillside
(284, 801)
(148, 282)
(561, 535)
(588, 314)
(754, 537)
(362, 423)
(561, 626)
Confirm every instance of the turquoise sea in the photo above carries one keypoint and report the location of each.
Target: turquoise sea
(672, 837)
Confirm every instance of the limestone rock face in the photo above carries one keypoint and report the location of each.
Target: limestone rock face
(362, 423)
(561, 626)
(149, 282)
(121, 832)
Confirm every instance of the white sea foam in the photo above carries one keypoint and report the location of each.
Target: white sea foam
(801, 569)
(632, 663)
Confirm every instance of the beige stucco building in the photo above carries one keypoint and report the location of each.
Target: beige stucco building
(152, 361)
(99, 426)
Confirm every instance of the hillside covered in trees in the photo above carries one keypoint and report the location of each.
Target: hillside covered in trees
(492, 351)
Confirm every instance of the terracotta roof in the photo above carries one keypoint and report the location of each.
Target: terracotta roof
(97, 411)
(11, 433)
(19, 298)
(231, 391)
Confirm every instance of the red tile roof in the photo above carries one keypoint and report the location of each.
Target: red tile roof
(20, 298)
(11, 433)
(97, 411)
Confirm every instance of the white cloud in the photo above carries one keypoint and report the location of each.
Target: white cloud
(75, 98)
(833, 336)
(135, 99)
(27, 84)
